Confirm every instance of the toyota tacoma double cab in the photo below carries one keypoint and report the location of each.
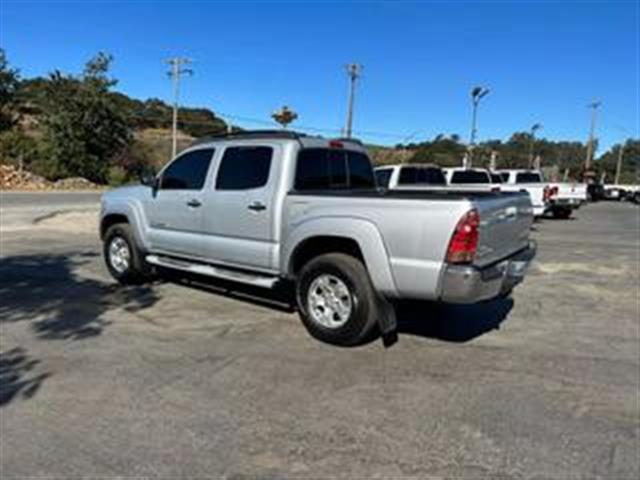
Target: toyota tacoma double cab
(277, 207)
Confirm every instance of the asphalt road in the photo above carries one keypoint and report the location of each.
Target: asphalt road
(37, 199)
(20, 210)
(183, 380)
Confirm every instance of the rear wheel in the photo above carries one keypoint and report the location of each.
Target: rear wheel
(336, 300)
(124, 259)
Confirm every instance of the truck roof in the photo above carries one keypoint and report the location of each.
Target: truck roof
(306, 141)
(517, 170)
(417, 165)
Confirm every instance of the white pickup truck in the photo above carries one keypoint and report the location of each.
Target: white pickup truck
(277, 207)
(564, 198)
(529, 181)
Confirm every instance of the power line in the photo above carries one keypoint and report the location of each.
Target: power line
(175, 73)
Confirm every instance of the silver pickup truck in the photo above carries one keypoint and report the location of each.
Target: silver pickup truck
(277, 207)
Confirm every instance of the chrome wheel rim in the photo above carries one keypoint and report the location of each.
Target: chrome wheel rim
(329, 301)
(119, 254)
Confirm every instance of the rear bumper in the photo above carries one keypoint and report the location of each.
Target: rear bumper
(566, 202)
(469, 284)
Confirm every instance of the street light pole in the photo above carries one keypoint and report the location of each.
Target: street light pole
(532, 140)
(476, 95)
(594, 107)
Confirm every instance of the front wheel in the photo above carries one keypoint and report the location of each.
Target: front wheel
(336, 300)
(124, 259)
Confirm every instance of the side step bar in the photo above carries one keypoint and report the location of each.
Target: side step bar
(263, 281)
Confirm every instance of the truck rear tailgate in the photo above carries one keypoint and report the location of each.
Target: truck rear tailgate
(505, 222)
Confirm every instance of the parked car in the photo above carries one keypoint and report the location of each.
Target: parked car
(564, 198)
(410, 176)
(474, 179)
(613, 192)
(277, 207)
(530, 181)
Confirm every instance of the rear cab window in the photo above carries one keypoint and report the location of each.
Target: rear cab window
(469, 176)
(421, 176)
(333, 169)
(528, 177)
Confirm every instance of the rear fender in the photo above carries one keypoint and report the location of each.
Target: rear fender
(363, 232)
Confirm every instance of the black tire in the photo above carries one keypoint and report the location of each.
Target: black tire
(137, 271)
(563, 213)
(361, 321)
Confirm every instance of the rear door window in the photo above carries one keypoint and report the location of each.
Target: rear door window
(188, 171)
(469, 176)
(244, 168)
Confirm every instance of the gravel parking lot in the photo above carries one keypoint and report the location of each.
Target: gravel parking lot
(181, 379)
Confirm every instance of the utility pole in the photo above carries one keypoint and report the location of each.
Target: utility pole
(532, 141)
(354, 71)
(476, 95)
(594, 108)
(619, 164)
(175, 72)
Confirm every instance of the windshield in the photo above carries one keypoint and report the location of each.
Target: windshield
(383, 177)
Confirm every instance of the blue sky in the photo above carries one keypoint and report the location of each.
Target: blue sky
(544, 61)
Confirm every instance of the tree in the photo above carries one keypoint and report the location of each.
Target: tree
(630, 168)
(9, 80)
(84, 129)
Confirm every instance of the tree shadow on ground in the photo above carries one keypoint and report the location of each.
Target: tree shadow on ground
(58, 302)
(451, 323)
(16, 378)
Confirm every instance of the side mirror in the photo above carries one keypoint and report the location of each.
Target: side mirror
(148, 177)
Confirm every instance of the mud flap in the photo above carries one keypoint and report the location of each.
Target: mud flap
(387, 321)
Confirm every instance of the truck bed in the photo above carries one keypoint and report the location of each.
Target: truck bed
(409, 194)
(416, 226)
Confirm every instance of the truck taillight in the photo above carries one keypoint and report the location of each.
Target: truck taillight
(549, 192)
(464, 242)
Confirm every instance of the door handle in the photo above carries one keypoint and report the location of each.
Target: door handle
(257, 206)
(194, 203)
